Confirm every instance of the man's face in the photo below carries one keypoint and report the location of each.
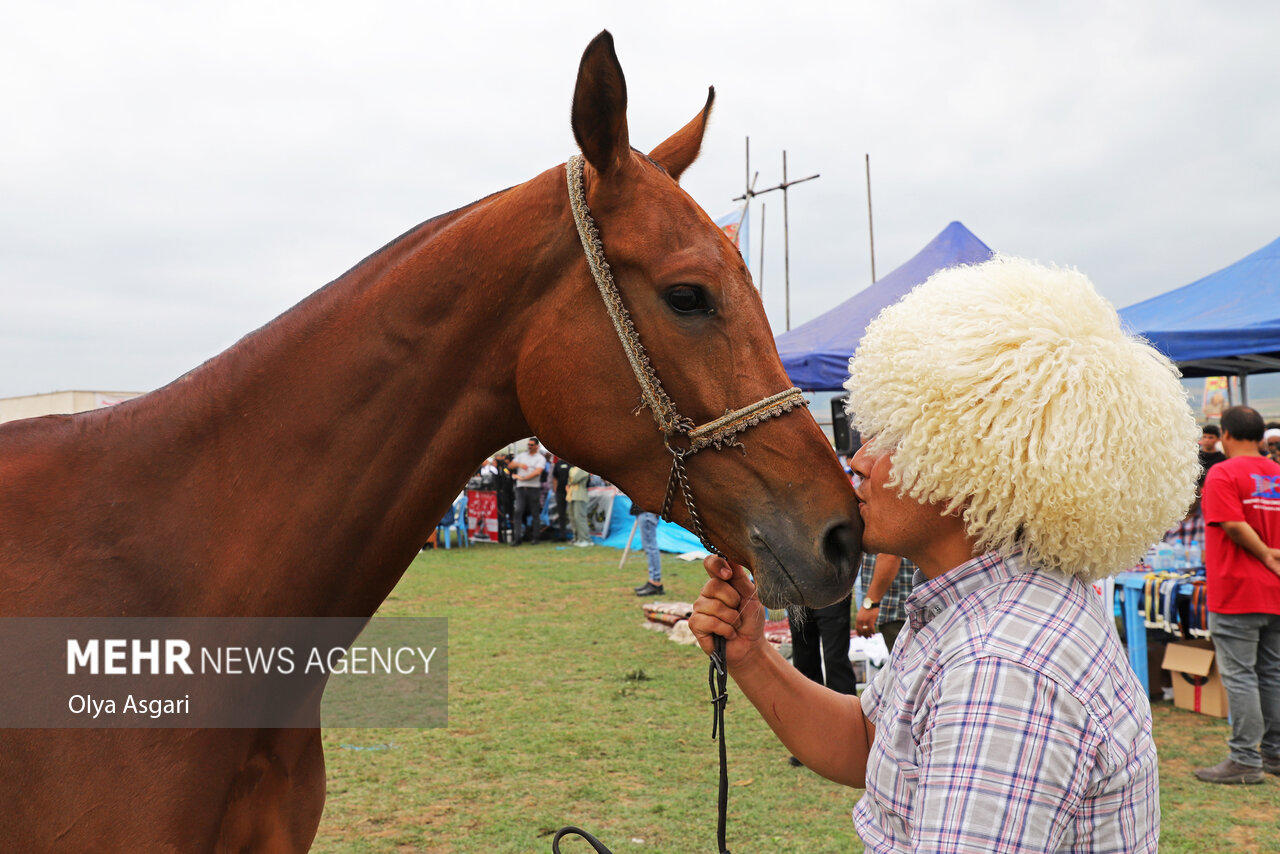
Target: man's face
(892, 523)
(1208, 442)
(533, 447)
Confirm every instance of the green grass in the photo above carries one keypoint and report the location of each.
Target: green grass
(564, 709)
(1200, 817)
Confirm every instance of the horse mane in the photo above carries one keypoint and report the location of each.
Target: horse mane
(313, 303)
(426, 228)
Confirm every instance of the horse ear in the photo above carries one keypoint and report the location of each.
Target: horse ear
(600, 106)
(682, 148)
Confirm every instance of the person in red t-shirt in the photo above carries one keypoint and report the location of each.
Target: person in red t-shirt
(1241, 502)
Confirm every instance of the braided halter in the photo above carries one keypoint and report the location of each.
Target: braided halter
(720, 432)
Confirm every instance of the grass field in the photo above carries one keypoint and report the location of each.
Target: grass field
(564, 709)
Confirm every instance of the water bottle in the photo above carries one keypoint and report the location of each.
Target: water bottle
(1195, 557)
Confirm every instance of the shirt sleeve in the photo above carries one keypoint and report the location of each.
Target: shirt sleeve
(866, 571)
(869, 699)
(1220, 500)
(1005, 759)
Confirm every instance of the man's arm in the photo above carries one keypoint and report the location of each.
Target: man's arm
(825, 730)
(1244, 536)
(886, 569)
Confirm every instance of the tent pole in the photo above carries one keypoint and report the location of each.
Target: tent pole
(871, 232)
(1244, 389)
(630, 538)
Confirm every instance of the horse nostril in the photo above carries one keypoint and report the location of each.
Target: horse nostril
(841, 545)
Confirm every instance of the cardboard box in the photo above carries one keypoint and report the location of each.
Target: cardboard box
(1197, 685)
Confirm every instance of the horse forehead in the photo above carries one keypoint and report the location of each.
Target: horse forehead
(670, 245)
(660, 209)
(654, 187)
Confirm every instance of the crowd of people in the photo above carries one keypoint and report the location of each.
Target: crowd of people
(533, 479)
(533, 485)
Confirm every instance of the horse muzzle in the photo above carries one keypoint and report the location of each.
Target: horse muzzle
(815, 573)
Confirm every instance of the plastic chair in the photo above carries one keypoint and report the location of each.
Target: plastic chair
(455, 519)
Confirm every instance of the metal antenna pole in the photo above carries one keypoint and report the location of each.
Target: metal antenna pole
(786, 240)
(786, 230)
(870, 229)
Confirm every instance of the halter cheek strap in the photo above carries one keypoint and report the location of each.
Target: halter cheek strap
(720, 432)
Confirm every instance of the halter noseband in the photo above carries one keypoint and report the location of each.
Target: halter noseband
(719, 432)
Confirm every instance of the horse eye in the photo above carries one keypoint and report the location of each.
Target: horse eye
(686, 299)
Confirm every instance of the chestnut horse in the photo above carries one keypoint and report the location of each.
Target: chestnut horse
(297, 473)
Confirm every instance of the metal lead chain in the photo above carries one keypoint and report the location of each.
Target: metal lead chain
(679, 478)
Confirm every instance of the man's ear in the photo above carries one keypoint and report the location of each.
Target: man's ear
(599, 114)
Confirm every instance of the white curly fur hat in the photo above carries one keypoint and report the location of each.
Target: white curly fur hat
(1010, 389)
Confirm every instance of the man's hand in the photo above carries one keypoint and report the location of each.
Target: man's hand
(1243, 535)
(729, 607)
(1272, 561)
(865, 622)
(825, 730)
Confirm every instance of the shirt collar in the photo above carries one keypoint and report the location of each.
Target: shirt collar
(931, 597)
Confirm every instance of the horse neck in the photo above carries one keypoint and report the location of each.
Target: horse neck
(318, 452)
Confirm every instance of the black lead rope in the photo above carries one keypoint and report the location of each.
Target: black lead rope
(718, 682)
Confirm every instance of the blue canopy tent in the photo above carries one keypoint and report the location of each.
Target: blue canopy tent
(1226, 323)
(816, 354)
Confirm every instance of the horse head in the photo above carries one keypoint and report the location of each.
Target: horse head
(779, 502)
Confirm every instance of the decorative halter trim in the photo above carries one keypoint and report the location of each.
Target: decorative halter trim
(720, 432)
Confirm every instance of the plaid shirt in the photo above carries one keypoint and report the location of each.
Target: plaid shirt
(1188, 531)
(893, 605)
(1008, 720)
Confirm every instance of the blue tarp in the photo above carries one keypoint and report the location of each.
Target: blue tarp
(816, 354)
(671, 537)
(1220, 321)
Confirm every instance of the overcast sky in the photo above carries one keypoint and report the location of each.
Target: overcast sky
(173, 175)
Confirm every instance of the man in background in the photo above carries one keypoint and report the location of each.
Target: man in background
(577, 494)
(561, 474)
(1190, 531)
(1271, 441)
(886, 583)
(1210, 452)
(648, 524)
(527, 468)
(1241, 502)
(820, 648)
